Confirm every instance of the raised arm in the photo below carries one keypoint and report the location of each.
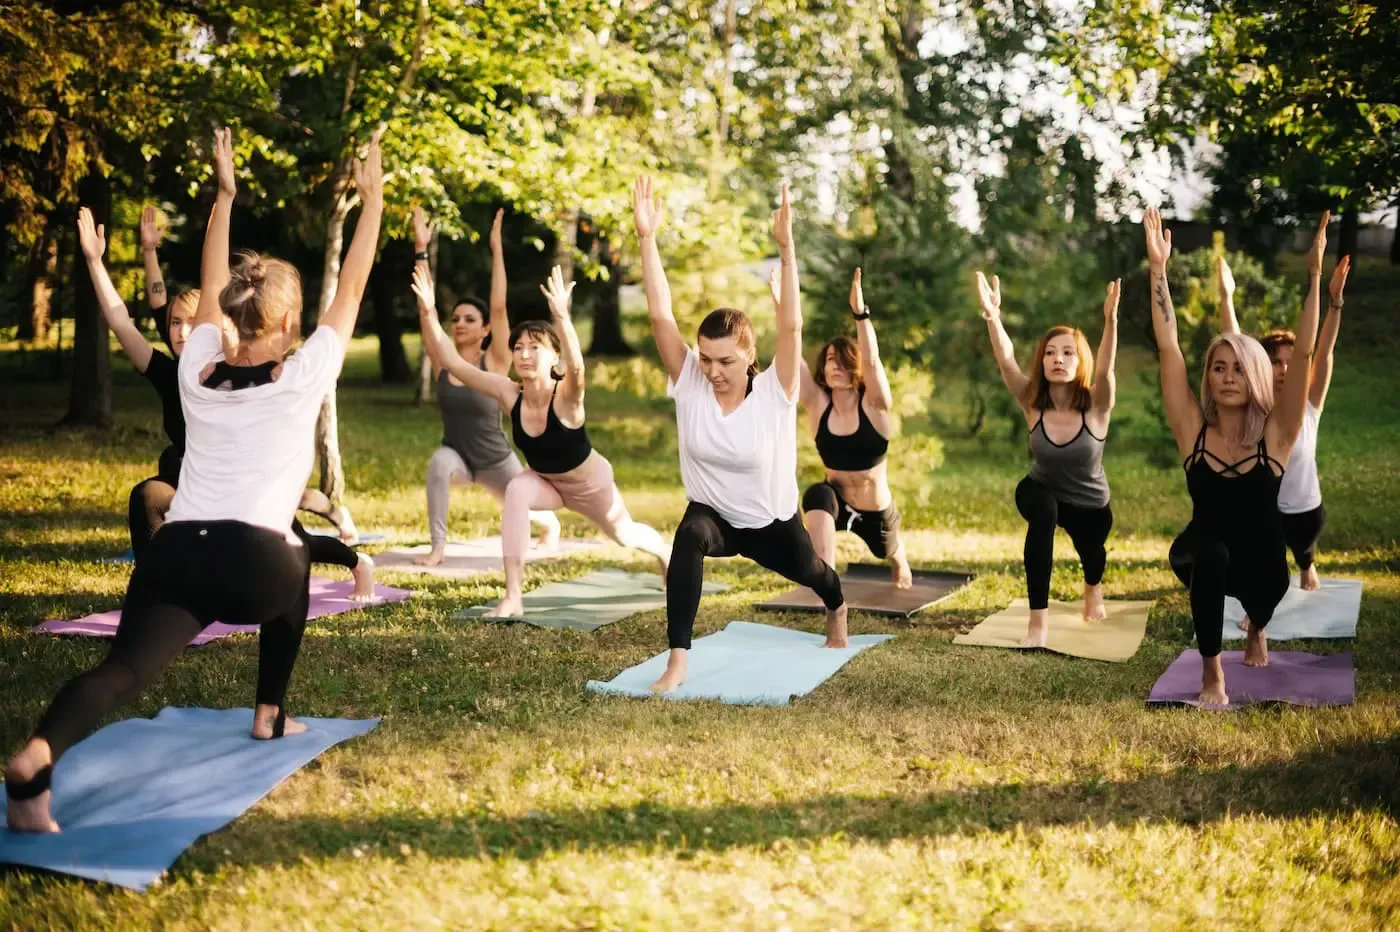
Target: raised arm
(809, 394)
(150, 243)
(1225, 282)
(423, 230)
(1105, 381)
(498, 353)
(646, 214)
(877, 383)
(1292, 403)
(93, 241)
(354, 271)
(443, 352)
(213, 268)
(788, 355)
(559, 296)
(1327, 339)
(989, 296)
(1183, 411)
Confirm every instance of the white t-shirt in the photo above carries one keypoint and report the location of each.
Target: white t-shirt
(743, 465)
(1299, 491)
(248, 453)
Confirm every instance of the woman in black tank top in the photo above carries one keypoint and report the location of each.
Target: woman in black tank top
(565, 471)
(850, 384)
(1234, 445)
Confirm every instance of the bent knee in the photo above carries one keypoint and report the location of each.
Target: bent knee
(820, 497)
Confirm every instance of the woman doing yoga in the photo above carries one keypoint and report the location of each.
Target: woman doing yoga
(547, 424)
(1235, 444)
(848, 405)
(226, 550)
(151, 498)
(738, 442)
(1067, 404)
(1299, 495)
(474, 447)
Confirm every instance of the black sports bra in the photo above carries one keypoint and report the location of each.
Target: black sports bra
(558, 449)
(231, 377)
(1232, 499)
(853, 452)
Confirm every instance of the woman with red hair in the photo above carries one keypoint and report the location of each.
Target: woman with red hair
(1234, 443)
(1067, 404)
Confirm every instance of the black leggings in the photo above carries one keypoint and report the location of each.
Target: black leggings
(1256, 573)
(1087, 528)
(783, 547)
(879, 529)
(193, 573)
(1301, 532)
(323, 548)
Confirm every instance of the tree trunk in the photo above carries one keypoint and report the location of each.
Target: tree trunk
(1395, 242)
(43, 281)
(607, 308)
(385, 285)
(90, 404)
(899, 176)
(1350, 233)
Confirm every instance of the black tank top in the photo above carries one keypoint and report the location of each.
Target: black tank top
(558, 449)
(1238, 502)
(863, 449)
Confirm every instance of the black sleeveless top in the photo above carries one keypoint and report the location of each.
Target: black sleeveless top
(1239, 501)
(863, 449)
(557, 450)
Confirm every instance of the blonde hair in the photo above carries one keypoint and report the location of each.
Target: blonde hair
(1038, 390)
(260, 294)
(1258, 379)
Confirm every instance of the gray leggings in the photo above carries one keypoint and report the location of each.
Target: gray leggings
(447, 469)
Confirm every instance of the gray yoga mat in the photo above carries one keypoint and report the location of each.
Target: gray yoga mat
(588, 602)
(868, 588)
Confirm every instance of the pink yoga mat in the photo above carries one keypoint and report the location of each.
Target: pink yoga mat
(327, 598)
(1294, 677)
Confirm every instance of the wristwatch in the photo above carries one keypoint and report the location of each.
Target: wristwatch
(864, 313)
(421, 255)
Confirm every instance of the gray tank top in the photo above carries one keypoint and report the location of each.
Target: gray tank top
(471, 424)
(1073, 471)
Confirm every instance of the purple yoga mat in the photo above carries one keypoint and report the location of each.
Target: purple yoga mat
(327, 598)
(1292, 676)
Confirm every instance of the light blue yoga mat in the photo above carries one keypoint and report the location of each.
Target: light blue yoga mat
(745, 664)
(134, 795)
(1329, 612)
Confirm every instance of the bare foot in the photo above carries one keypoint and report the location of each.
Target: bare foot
(512, 606)
(345, 526)
(431, 558)
(1309, 580)
(1244, 623)
(836, 628)
(1256, 648)
(1037, 628)
(265, 719)
(900, 574)
(548, 540)
(30, 815)
(675, 672)
(1212, 694)
(1094, 609)
(364, 580)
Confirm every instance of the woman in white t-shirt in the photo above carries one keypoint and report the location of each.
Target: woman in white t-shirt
(227, 550)
(738, 442)
(1300, 495)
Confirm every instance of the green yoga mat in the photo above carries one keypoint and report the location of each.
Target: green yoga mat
(587, 603)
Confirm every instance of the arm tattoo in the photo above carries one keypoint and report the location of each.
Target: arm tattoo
(1162, 298)
(156, 288)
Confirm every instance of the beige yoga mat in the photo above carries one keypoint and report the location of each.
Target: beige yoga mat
(467, 558)
(1114, 639)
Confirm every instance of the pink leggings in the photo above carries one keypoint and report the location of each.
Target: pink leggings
(588, 490)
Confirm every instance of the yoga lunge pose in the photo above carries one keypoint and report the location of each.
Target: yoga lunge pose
(547, 424)
(1300, 495)
(150, 500)
(226, 550)
(737, 428)
(474, 447)
(1235, 444)
(848, 404)
(1067, 404)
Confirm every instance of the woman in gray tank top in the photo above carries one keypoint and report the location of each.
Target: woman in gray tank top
(1067, 404)
(474, 446)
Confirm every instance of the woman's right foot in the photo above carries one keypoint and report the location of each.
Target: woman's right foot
(29, 815)
(1256, 648)
(1212, 694)
(364, 580)
(836, 636)
(1037, 628)
(431, 558)
(1244, 623)
(1309, 580)
(509, 607)
(265, 723)
(674, 676)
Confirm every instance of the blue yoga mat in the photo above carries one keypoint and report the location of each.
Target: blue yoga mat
(133, 796)
(745, 664)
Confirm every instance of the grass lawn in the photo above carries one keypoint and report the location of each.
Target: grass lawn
(925, 785)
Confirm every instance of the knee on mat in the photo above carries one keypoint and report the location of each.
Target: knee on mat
(820, 497)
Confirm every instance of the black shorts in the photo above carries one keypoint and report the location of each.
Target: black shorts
(879, 529)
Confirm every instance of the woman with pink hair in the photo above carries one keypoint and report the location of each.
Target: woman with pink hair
(1235, 443)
